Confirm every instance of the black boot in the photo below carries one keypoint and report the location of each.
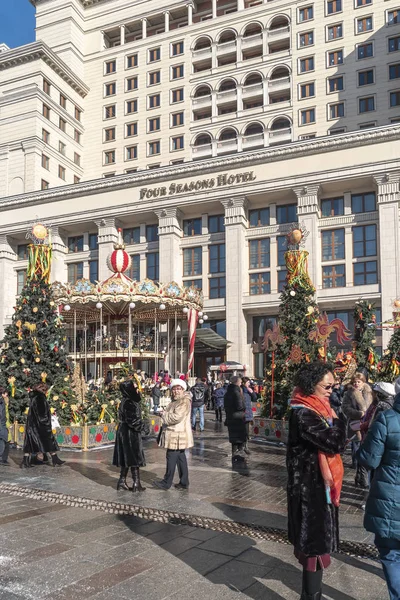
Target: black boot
(316, 596)
(122, 485)
(312, 585)
(26, 463)
(246, 448)
(57, 462)
(137, 487)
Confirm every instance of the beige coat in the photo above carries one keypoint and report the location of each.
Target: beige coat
(355, 404)
(177, 428)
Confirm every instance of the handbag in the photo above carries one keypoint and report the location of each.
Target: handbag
(355, 425)
(160, 437)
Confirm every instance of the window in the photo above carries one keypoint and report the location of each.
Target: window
(131, 235)
(45, 136)
(22, 251)
(333, 276)
(366, 273)
(153, 266)
(307, 116)
(108, 175)
(192, 227)
(363, 3)
(77, 136)
(75, 243)
(394, 99)
(394, 43)
(44, 185)
(260, 283)
(75, 272)
(154, 166)
(110, 89)
(61, 172)
(217, 258)
(110, 111)
(259, 217)
(131, 152)
(368, 125)
(93, 270)
(62, 124)
(197, 283)
(366, 104)
(333, 244)
(286, 213)
(63, 101)
(336, 110)
(281, 279)
(361, 203)
(131, 61)
(177, 48)
(154, 101)
(192, 262)
(131, 129)
(393, 17)
(77, 113)
(365, 50)
(333, 6)
(332, 207)
(46, 111)
(364, 241)
(154, 54)
(335, 31)
(21, 280)
(154, 148)
(337, 130)
(336, 84)
(306, 39)
(93, 241)
(306, 13)
(109, 157)
(281, 241)
(131, 84)
(259, 253)
(307, 90)
(61, 148)
(394, 71)
(151, 233)
(335, 58)
(177, 143)
(216, 224)
(177, 119)
(45, 162)
(177, 95)
(110, 67)
(77, 159)
(153, 124)
(177, 72)
(154, 77)
(77, 179)
(46, 87)
(306, 64)
(131, 106)
(134, 271)
(109, 134)
(364, 24)
(366, 77)
(217, 287)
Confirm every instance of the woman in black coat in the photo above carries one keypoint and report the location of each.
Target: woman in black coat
(235, 410)
(315, 473)
(39, 437)
(128, 450)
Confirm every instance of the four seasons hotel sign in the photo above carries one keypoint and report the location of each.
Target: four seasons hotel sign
(197, 186)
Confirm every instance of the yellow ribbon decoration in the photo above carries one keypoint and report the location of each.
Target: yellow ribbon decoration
(11, 381)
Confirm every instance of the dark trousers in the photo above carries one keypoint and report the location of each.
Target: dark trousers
(389, 552)
(176, 458)
(218, 413)
(4, 450)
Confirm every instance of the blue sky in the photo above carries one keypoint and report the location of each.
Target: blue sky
(17, 22)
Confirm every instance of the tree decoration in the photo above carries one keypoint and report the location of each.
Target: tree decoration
(272, 339)
(296, 354)
(364, 333)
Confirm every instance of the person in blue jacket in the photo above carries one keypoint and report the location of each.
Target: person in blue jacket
(381, 451)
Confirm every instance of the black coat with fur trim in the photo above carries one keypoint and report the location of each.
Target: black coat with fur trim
(312, 523)
(128, 449)
(39, 436)
(235, 409)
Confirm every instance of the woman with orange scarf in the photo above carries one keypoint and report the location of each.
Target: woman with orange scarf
(315, 473)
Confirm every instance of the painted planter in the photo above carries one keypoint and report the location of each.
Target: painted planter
(86, 437)
(256, 408)
(272, 430)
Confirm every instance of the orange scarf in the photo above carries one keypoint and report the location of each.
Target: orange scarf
(331, 465)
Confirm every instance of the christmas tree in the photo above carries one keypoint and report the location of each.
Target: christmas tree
(364, 337)
(389, 366)
(33, 349)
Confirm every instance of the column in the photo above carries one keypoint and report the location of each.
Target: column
(239, 48)
(265, 92)
(102, 41)
(170, 235)
(388, 197)
(8, 289)
(239, 142)
(4, 163)
(307, 214)
(122, 34)
(240, 4)
(58, 268)
(214, 8)
(144, 28)
(166, 17)
(236, 277)
(265, 42)
(214, 108)
(190, 14)
(239, 99)
(214, 61)
(107, 237)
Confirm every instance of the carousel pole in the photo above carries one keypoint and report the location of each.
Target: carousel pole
(155, 344)
(176, 343)
(75, 335)
(85, 342)
(95, 350)
(129, 335)
(181, 346)
(168, 344)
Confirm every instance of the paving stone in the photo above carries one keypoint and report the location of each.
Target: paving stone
(237, 576)
(203, 561)
(229, 544)
(179, 545)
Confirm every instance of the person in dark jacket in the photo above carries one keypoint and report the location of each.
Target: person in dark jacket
(128, 449)
(381, 451)
(219, 395)
(199, 396)
(156, 395)
(249, 397)
(4, 431)
(235, 410)
(315, 474)
(39, 437)
(336, 397)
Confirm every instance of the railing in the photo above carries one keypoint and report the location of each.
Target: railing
(226, 48)
(255, 89)
(201, 101)
(275, 85)
(280, 135)
(203, 151)
(227, 146)
(255, 140)
(251, 41)
(201, 54)
(278, 33)
(227, 95)
(119, 344)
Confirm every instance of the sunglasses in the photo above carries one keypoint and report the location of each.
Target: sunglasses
(327, 387)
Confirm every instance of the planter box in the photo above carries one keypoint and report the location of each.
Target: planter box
(84, 437)
(256, 408)
(272, 430)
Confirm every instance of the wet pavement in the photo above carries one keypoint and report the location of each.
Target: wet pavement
(54, 551)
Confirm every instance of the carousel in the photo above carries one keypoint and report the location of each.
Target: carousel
(150, 325)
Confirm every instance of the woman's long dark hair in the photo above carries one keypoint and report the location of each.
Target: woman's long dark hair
(309, 375)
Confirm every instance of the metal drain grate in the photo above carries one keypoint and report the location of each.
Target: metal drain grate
(259, 532)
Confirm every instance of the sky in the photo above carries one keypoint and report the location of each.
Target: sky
(17, 22)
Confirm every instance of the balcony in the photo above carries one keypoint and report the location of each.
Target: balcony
(253, 141)
(280, 136)
(252, 91)
(277, 85)
(252, 41)
(227, 96)
(202, 102)
(202, 54)
(203, 151)
(280, 33)
(227, 146)
(226, 48)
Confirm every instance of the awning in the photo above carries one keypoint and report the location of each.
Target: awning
(209, 339)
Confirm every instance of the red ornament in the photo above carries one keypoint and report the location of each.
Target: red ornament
(99, 437)
(75, 439)
(156, 428)
(119, 260)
